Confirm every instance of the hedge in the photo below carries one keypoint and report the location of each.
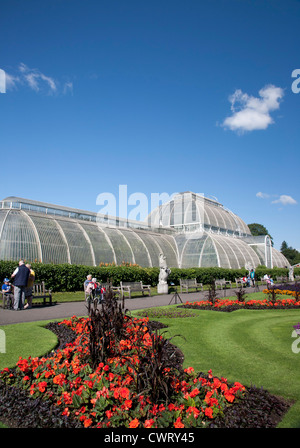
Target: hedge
(70, 277)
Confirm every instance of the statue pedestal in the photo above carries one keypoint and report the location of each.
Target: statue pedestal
(162, 288)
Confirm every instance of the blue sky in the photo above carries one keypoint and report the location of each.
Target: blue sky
(161, 96)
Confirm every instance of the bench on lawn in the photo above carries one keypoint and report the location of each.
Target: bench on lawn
(222, 283)
(40, 292)
(239, 281)
(282, 279)
(187, 283)
(133, 287)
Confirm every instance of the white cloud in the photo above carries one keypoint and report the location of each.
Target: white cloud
(36, 81)
(68, 87)
(11, 81)
(262, 195)
(285, 200)
(250, 113)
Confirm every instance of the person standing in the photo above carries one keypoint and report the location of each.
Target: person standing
(20, 276)
(252, 277)
(29, 287)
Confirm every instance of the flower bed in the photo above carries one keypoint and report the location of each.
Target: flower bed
(109, 395)
(286, 289)
(232, 305)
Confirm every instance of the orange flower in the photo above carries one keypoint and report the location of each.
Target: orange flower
(194, 392)
(148, 423)
(109, 414)
(178, 423)
(134, 423)
(209, 412)
(229, 397)
(87, 422)
(124, 392)
(42, 386)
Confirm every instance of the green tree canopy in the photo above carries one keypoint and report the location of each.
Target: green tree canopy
(290, 253)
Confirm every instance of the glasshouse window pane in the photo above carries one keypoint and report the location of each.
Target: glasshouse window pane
(18, 240)
(79, 247)
(141, 255)
(120, 245)
(54, 248)
(102, 250)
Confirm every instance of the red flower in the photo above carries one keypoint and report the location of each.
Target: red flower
(42, 386)
(134, 423)
(124, 392)
(209, 412)
(178, 423)
(87, 422)
(149, 423)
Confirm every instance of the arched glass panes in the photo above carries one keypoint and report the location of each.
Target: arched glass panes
(78, 245)
(103, 251)
(140, 252)
(120, 244)
(53, 245)
(18, 239)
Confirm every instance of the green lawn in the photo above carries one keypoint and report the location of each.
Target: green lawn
(250, 346)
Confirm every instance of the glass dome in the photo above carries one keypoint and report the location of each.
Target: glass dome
(189, 212)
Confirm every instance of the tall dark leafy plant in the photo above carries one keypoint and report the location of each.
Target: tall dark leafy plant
(105, 328)
(211, 294)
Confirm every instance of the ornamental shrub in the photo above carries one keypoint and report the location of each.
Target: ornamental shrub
(70, 277)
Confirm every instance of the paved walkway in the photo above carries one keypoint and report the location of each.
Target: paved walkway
(69, 309)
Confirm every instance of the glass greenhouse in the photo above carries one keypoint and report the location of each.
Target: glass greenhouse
(190, 230)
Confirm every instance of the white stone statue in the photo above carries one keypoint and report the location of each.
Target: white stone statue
(164, 273)
(291, 273)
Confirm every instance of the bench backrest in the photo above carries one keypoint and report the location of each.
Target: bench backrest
(132, 284)
(39, 288)
(188, 281)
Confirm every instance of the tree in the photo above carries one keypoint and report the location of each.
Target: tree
(258, 229)
(284, 246)
(291, 254)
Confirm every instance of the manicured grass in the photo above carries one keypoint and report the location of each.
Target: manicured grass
(26, 339)
(253, 347)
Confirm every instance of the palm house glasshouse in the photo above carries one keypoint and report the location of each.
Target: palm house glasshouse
(190, 230)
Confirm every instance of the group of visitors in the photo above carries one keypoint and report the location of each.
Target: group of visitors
(20, 289)
(269, 280)
(249, 279)
(93, 288)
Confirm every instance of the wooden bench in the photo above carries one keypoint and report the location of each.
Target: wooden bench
(187, 283)
(239, 281)
(282, 279)
(40, 292)
(222, 283)
(133, 287)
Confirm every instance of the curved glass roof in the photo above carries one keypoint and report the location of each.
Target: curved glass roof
(56, 239)
(196, 232)
(189, 212)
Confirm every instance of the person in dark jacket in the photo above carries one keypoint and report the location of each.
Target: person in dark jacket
(20, 276)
